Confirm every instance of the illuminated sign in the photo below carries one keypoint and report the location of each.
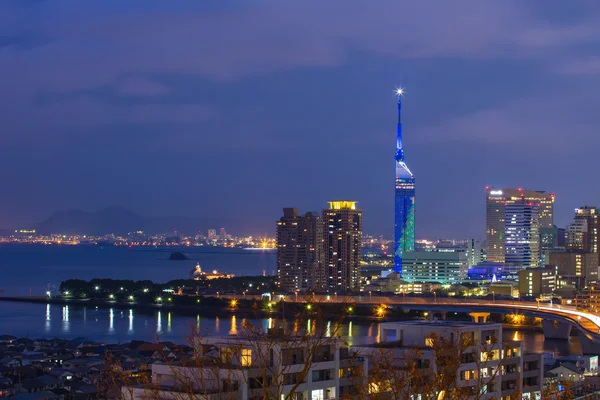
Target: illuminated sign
(496, 192)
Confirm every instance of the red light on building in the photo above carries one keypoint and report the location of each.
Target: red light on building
(487, 188)
(551, 194)
(520, 189)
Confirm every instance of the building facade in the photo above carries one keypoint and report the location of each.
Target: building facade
(551, 240)
(474, 252)
(537, 281)
(445, 267)
(589, 299)
(404, 226)
(255, 368)
(522, 234)
(476, 356)
(393, 283)
(577, 267)
(342, 233)
(582, 234)
(496, 202)
(299, 250)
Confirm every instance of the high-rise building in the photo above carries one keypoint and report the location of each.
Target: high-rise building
(299, 250)
(496, 201)
(445, 267)
(551, 240)
(222, 234)
(474, 252)
(342, 232)
(582, 234)
(522, 234)
(404, 230)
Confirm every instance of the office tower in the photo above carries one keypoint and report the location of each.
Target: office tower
(222, 234)
(404, 230)
(445, 267)
(522, 234)
(299, 250)
(212, 234)
(342, 234)
(582, 234)
(474, 252)
(496, 201)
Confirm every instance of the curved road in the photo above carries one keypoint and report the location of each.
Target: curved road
(588, 322)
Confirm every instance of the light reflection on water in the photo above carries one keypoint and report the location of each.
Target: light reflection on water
(118, 325)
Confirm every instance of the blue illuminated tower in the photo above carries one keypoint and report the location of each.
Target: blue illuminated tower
(404, 232)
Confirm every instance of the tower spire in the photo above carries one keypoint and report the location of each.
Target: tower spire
(399, 148)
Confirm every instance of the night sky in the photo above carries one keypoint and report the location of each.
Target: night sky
(201, 108)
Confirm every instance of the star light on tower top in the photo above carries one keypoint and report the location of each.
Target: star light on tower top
(399, 91)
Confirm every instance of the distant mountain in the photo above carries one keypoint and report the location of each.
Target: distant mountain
(119, 220)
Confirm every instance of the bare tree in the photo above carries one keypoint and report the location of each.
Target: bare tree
(256, 363)
(451, 366)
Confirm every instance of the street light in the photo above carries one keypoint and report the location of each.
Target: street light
(97, 288)
(48, 293)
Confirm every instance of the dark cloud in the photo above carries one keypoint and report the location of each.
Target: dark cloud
(234, 107)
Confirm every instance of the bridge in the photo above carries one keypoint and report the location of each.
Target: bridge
(557, 320)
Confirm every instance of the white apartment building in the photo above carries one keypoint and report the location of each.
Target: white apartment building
(237, 368)
(488, 364)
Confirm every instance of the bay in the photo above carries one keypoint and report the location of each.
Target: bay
(32, 269)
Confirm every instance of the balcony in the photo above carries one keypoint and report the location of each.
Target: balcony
(322, 375)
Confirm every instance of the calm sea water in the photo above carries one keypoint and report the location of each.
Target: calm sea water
(112, 325)
(29, 269)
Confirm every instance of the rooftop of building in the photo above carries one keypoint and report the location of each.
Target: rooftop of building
(342, 205)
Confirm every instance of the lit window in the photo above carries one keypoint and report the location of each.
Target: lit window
(246, 359)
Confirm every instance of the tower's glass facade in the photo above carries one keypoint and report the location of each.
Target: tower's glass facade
(404, 231)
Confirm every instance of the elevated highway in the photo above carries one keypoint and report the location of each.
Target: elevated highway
(557, 320)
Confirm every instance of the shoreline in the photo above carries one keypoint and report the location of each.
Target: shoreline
(190, 310)
(362, 314)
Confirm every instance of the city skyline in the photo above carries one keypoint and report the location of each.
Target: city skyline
(165, 126)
